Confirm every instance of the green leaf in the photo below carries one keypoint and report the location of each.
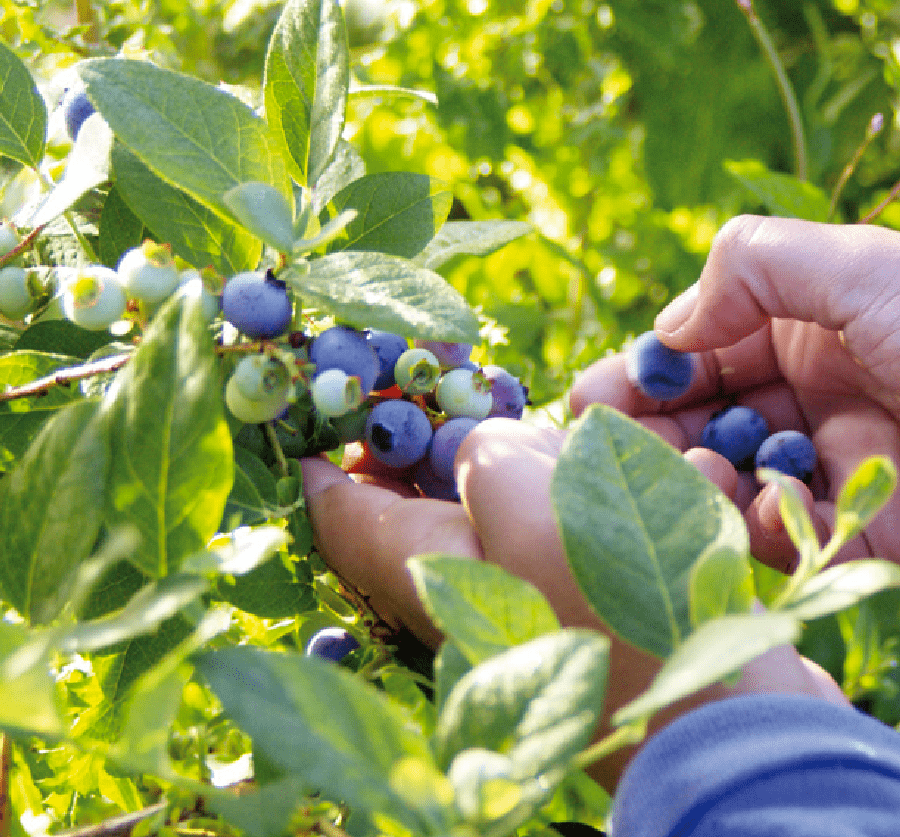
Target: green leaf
(863, 496)
(797, 522)
(28, 694)
(23, 114)
(634, 516)
(171, 465)
(715, 650)
(264, 211)
(120, 229)
(345, 167)
(263, 812)
(481, 606)
(196, 137)
(156, 696)
(782, 194)
(837, 588)
(272, 590)
(469, 238)
(722, 578)
(322, 724)
(450, 664)
(537, 703)
(87, 166)
(307, 77)
(60, 479)
(372, 290)
(22, 418)
(61, 337)
(398, 213)
(196, 233)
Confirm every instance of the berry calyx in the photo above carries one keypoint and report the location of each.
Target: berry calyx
(417, 371)
(259, 377)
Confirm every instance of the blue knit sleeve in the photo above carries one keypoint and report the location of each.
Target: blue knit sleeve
(766, 765)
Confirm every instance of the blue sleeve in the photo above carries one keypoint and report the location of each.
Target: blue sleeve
(764, 765)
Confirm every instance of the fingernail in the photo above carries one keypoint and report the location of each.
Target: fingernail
(320, 474)
(677, 312)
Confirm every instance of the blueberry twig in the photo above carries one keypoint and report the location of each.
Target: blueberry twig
(22, 246)
(64, 377)
(872, 131)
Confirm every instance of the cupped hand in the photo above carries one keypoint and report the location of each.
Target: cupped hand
(800, 321)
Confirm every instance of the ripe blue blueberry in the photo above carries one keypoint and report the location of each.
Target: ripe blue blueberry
(257, 305)
(508, 394)
(449, 355)
(331, 644)
(428, 482)
(656, 370)
(461, 392)
(76, 109)
(345, 348)
(388, 348)
(790, 452)
(398, 433)
(445, 443)
(736, 433)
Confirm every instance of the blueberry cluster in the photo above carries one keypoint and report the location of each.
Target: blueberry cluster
(742, 436)
(412, 405)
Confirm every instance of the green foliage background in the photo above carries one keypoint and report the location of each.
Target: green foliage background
(611, 127)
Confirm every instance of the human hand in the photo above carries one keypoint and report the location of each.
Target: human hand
(800, 321)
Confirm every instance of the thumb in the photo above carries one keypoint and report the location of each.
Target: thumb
(761, 268)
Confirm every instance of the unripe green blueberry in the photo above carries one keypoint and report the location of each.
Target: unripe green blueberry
(15, 298)
(253, 411)
(417, 371)
(148, 273)
(93, 298)
(9, 237)
(462, 392)
(335, 393)
(260, 377)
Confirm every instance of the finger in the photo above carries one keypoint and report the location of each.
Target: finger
(367, 532)
(763, 268)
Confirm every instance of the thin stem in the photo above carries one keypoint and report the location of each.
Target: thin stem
(872, 131)
(764, 40)
(621, 737)
(892, 195)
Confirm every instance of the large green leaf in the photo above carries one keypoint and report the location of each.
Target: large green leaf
(61, 479)
(29, 698)
(119, 228)
(480, 605)
(372, 290)
(171, 465)
(322, 724)
(781, 194)
(469, 238)
(196, 137)
(398, 213)
(537, 703)
(23, 114)
(196, 233)
(306, 82)
(634, 517)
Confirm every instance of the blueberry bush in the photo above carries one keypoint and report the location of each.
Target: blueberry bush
(239, 233)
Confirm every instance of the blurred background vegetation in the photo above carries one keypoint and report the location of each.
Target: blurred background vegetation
(607, 125)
